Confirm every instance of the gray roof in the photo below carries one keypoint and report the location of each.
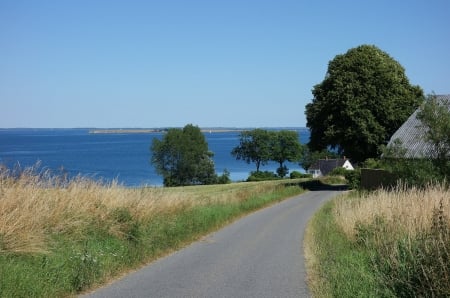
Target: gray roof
(327, 165)
(412, 134)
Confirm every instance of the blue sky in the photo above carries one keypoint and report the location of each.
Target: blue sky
(86, 63)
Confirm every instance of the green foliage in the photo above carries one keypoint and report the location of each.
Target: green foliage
(262, 176)
(418, 267)
(353, 178)
(285, 147)
(342, 269)
(362, 101)
(339, 171)
(412, 172)
(224, 178)
(254, 146)
(298, 175)
(182, 157)
(260, 146)
(372, 163)
(310, 157)
(435, 116)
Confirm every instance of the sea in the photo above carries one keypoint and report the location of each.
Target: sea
(123, 157)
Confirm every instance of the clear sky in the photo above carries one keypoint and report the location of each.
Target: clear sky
(234, 63)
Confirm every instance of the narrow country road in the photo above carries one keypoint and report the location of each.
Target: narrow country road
(260, 255)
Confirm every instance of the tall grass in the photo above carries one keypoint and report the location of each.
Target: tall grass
(400, 239)
(408, 232)
(404, 210)
(59, 236)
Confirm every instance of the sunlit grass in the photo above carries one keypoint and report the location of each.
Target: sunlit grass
(59, 237)
(403, 210)
(392, 243)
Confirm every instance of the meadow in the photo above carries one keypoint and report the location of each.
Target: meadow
(392, 243)
(59, 237)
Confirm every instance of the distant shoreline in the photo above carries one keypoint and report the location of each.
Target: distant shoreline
(149, 131)
(127, 131)
(92, 130)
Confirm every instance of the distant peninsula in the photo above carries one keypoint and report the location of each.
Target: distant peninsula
(126, 131)
(153, 130)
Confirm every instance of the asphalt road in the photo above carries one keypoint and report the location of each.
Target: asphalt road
(260, 255)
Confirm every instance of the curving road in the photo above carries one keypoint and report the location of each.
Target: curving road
(260, 255)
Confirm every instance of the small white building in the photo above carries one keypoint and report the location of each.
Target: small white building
(323, 166)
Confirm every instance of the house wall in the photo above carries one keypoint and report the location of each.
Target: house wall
(347, 165)
(315, 173)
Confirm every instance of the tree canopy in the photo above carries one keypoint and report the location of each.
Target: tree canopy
(285, 147)
(435, 116)
(362, 101)
(254, 146)
(182, 157)
(261, 146)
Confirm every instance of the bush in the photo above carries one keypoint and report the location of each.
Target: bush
(261, 176)
(339, 171)
(353, 178)
(414, 172)
(224, 178)
(298, 175)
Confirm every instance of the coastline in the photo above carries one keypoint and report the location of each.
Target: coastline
(162, 130)
(157, 130)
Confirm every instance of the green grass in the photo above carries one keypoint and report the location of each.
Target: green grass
(392, 243)
(338, 268)
(77, 261)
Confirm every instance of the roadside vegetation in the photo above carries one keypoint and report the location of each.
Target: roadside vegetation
(382, 244)
(393, 241)
(59, 237)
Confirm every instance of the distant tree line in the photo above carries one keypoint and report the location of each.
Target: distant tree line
(260, 146)
(182, 156)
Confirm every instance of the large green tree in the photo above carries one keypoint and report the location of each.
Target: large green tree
(362, 101)
(182, 157)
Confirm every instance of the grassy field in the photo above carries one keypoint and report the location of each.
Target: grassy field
(59, 238)
(381, 244)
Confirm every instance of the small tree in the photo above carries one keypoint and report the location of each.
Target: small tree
(285, 146)
(182, 157)
(435, 116)
(254, 146)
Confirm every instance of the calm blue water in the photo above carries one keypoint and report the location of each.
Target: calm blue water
(125, 157)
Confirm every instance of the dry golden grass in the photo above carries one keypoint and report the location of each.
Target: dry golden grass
(406, 211)
(33, 207)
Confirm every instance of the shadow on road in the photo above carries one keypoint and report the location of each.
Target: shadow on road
(315, 185)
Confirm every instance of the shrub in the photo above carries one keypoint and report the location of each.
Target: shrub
(261, 176)
(297, 175)
(224, 178)
(339, 171)
(353, 178)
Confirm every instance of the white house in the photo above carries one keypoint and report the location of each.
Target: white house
(323, 166)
